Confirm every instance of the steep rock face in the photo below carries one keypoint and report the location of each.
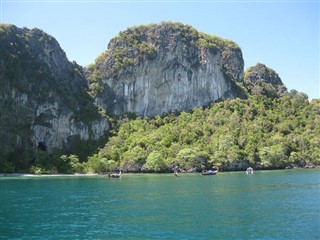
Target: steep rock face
(155, 69)
(43, 97)
(260, 79)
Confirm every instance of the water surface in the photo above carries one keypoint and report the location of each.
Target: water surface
(266, 205)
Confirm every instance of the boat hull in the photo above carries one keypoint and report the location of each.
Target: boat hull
(209, 173)
(114, 175)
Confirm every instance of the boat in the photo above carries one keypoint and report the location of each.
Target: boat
(209, 172)
(249, 170)
(114, 175)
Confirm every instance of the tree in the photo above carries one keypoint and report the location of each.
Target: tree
(268, 133)
(188, 158)
(155, 162)
(75, 164)
(97, 164)
(70, 164)
(272, 156)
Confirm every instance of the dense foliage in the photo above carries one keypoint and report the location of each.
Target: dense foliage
(270, 128)
(261, 132)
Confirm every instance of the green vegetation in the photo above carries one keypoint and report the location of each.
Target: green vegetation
(211, 41)
(263, 132)
(260, 79)
(27, 84)
(269, 129)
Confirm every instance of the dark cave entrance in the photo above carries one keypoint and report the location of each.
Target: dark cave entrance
(42, 146)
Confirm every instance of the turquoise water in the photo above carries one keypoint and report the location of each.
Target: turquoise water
(265, 205)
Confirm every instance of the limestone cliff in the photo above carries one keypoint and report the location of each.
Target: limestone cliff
(261, 80)
(155, 69)
(43, 97)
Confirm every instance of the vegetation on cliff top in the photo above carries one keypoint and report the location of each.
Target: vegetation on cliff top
(27, 67)
(260, 79)
(270, 129)
(138, 43)
(35, 74)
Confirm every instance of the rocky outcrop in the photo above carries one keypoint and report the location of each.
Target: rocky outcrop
(43, 97)
(156, 69)
(261, 80)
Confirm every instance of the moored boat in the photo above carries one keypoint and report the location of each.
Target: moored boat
(249, 170)
(114, 175)
(209, 172)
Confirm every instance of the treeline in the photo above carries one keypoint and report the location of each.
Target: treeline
(261, 132)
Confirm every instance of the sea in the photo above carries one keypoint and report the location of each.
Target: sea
(278, 204)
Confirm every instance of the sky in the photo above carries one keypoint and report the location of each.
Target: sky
(283, 35)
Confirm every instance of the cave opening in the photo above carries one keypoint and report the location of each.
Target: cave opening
(42, 146)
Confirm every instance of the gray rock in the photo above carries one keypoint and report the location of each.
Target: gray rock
(261, 80)
(43, 97)
(185, 69)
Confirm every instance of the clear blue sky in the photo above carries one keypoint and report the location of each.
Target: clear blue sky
(284, 35)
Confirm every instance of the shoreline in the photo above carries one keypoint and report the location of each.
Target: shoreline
(97, 174)
(49, 175)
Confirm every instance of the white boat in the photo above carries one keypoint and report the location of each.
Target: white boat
(208, 173)
(249, 170)
(114, 175)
